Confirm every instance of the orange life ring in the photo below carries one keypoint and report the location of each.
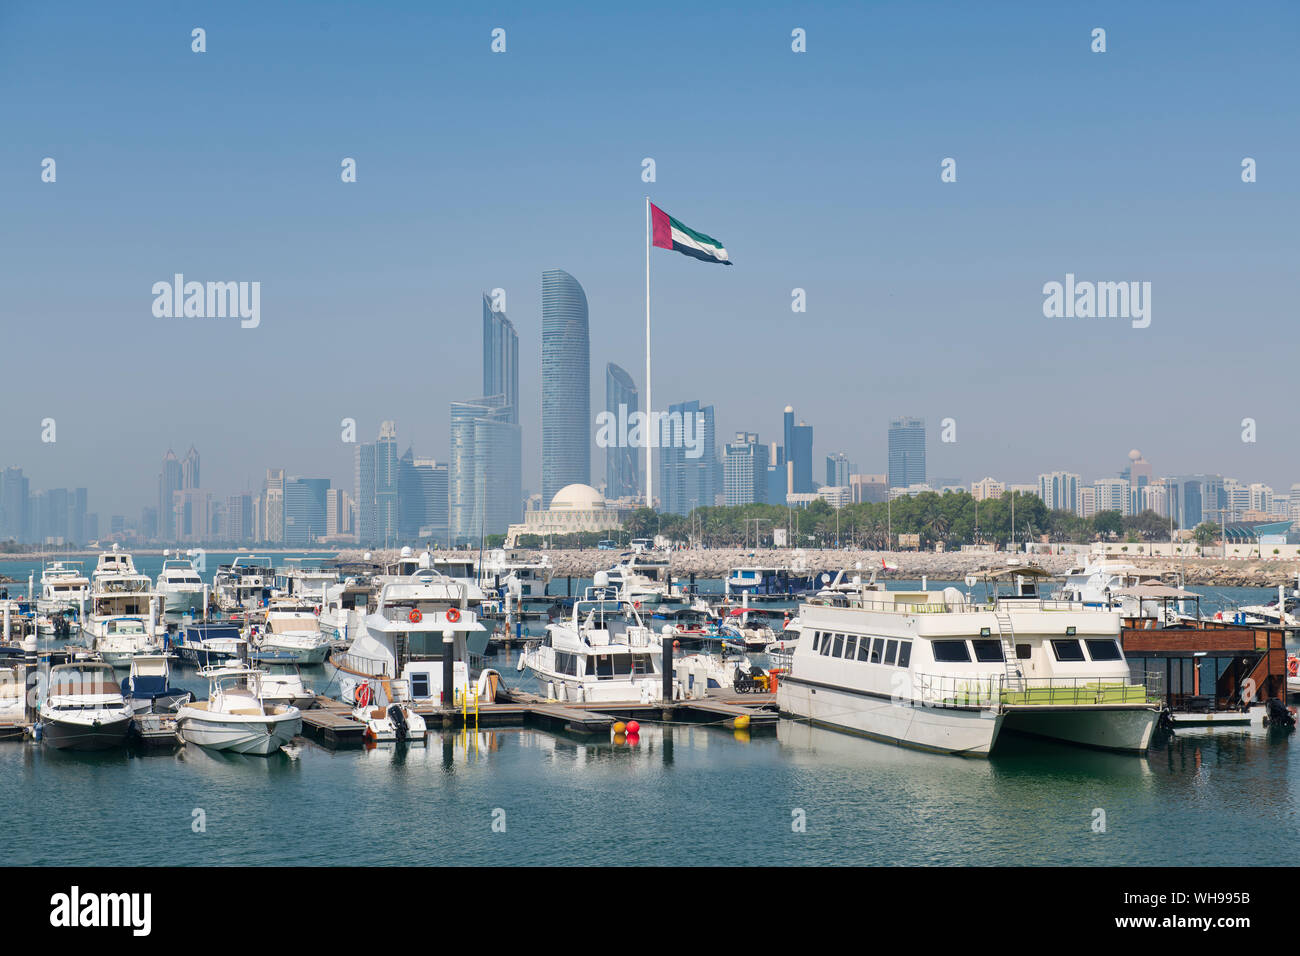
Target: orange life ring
(637, 605)
(453, 615)
(363, 694)
(415, 617)
(1293, 667)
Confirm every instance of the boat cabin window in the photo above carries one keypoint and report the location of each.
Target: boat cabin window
(904, 653)
(891, 651)
(838, 647)
(419, 685)
(1067, 651)
(950, 652)
(988, 652)
(1023, 652)
(864, 649)
(817, 639)
(850, 646)
(826, 645)
(877, 650)
(568, 664)
(1104, 650)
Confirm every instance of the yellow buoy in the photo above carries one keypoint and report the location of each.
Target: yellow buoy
(619, 727)
(742, 722)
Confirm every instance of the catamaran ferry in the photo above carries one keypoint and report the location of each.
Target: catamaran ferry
(932, 670)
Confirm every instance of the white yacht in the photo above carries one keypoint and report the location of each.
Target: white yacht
(603, 652)
(399, 647)
(11, 694)
(293, 628)
(532, 572)
(63, 588)
(243, 584)
(236, 717)
(282, 681)
(84, 708)
(123, 620)
(181, 587)
(931, 670)
(642, 575)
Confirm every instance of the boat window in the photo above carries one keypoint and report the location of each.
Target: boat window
(817, 639)
(864, 649)
(568, 663)
(826, 645)
(904, 653)
(1022, 652)
(1104, 650)
(891, 649)
(604, 667)
(419, 685)
(988, 651)
(641, 664)
(622, 663)
(950, 652)
(1067, 650)
(877, 649)
(850, 646)
(838, 646)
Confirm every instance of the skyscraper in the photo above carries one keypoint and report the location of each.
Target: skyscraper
(744, 469)
(906, 452)
(304, 509)
(622, 462)
(424, 499)
(375, 481)
(169, 482)
(686, 480)
(484, 478)
(838, 470)
(1060, 491)
(272, 516)
(566, 384)
(190, 469)
(800, 456)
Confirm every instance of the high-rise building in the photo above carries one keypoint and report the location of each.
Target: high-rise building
(376, 484)
(14, 493)
(778, 480)
(338, 513)
(906, 452)
(482, 484)
(868, 488)
(744, 470)
(77, 504)
(1059, 490)
(304, 509)
(622, 458)
(190, 469)
(169, 482)
(1113, 494)
(423, 494)
(239, 518)
(566, 384)
(191, 520)
(272, 510)
(838, 470)
(687, 480)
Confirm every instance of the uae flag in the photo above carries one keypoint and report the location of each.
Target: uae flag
(670, 234)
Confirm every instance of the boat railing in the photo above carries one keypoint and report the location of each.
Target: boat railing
(992, 691)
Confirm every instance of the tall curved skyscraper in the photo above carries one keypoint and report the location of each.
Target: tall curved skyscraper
(566, 384)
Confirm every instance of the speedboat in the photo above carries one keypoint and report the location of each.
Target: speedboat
(147, 689)
(235, 717)
(181, 587)
(282, 680)
(395, 722)
(293, 628)
(603, 652)
(84, 709)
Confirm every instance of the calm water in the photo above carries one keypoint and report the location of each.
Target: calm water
(682, 795)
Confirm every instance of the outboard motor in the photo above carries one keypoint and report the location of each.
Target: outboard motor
(1279, 715)
(398, 717)
(1165, 722)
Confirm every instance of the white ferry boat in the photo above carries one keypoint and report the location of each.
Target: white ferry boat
(603, 652)
(123, 621)
(181, 587)
(931, 670)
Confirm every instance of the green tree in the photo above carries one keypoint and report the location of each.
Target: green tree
(1206, 533)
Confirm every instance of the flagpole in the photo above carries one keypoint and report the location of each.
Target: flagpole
(649, 419)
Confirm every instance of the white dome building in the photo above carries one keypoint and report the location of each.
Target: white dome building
(575, 509)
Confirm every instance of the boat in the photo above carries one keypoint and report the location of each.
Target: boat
(205, 643)
(12, 695)
(64, 590)
(293, 628)
(935, 671)
(771, 582)
(1282, 611)
(305, 579)
(125, 610)
(235, 717)
(148, 689)
(403, 639)
(244, 584)
(181, 587)
(642, 575)
(603, 652)
(395, 722)
(282, 681)
(84, 708)
(1293, 674)
(346, 603)
(504, 565)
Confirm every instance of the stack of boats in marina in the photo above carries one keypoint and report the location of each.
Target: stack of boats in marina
(125, 613)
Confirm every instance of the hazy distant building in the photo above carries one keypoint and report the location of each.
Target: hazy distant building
(338, 514)
(500, 357)
(190, 469)
(868, 488)
(14, 492)
(239, 518)
(906, 452)
(424, 494)
(304, 510)
(778, 479)
(190, 519)
(838, 470)
(1059, 490)
(799, 453)
(987, 489)
(687, 482)
(622, 459)
(375, 481)
(566, 384)
(1113, 495)
(744, 470)
(169, 482)
(271, 527)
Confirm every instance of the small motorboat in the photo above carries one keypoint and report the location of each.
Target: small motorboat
(282, 680)
(206, 644)
(395, 722)
(147, 689)
(84, 709)
(235, 717)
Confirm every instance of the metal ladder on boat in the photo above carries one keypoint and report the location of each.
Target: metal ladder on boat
(1015, 677)
(401, 651)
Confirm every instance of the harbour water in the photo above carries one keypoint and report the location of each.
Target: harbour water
(680, 795)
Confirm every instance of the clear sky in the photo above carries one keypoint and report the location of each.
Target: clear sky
(818, 170)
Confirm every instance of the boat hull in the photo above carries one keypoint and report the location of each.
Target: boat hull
(968, 732)
(69, 735)
(1126, 729)
(299, 653)
(237, 734)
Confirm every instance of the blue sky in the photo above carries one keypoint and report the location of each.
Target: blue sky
(817, 170)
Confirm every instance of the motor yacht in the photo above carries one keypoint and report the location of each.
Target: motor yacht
(181, 587)
(236, 717)
(123, 620)
(84, 708)
(244, 584)
(293, 628)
